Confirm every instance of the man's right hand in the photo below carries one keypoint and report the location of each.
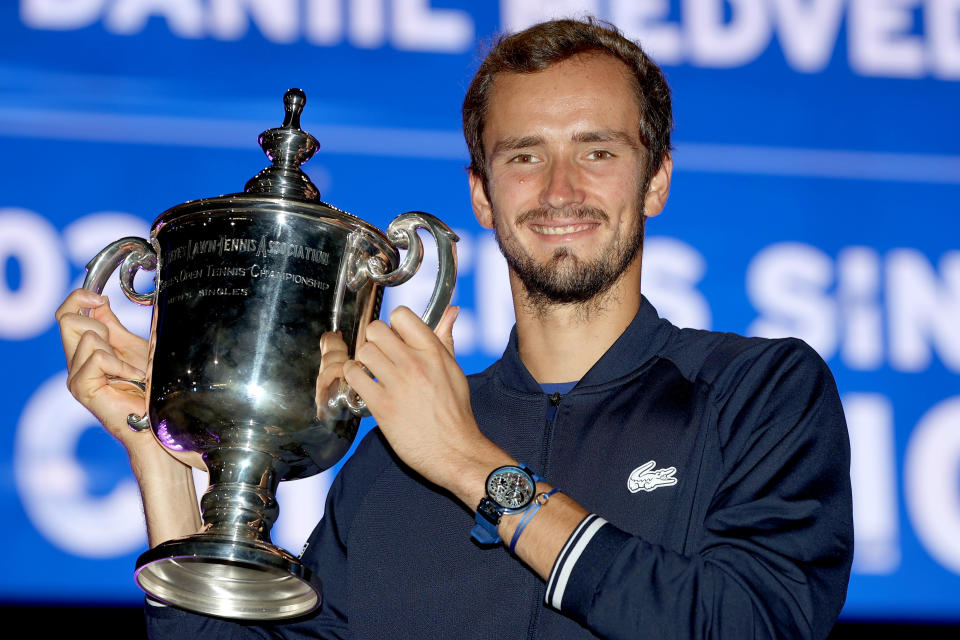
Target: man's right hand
(99, 347)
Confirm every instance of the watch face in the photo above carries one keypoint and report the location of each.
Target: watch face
(510, 487)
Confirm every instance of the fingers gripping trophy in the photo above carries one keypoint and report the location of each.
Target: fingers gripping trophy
(246, 285)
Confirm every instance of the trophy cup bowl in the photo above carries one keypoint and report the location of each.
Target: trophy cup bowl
(245, 286)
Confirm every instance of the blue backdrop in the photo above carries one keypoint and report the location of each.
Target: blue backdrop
(815, 194)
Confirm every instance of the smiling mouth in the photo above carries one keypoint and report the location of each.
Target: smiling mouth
(553, 230)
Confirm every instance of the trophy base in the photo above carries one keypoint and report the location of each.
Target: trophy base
(228, 578)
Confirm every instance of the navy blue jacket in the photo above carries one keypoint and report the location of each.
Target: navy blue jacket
(718, 466)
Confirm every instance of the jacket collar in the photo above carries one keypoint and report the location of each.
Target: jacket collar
(640, 341)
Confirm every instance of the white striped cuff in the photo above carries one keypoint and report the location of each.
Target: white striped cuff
(567, 560)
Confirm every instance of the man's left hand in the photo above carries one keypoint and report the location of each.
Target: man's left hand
(421, 401)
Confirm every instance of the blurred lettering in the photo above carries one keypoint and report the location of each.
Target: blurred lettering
(277, 20)
(516, 15)
(492, 297)
(930, 478)
(60, 15)
(414, 25)
(787, 283)
(808, 31)
(53, 484)
(873, 474)
(183, 17)
(647, 23)
(417, 27)
(881, 38)
(858, 296)
(32, 242)
(924, 309)
(943, 25)
(366, 24)
(884, 38)
(322, 21)
(671, 271)
(716, 42)
(860, 303)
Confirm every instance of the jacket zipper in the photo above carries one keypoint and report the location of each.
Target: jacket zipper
(553, 408)
(551, 419)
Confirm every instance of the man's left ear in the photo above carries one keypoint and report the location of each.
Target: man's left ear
(659, 188)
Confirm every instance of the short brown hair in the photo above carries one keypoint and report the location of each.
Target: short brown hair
(548, 43)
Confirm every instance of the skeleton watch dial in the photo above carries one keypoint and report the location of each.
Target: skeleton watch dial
(511, 487)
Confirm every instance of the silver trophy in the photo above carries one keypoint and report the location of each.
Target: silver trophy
(245, 286)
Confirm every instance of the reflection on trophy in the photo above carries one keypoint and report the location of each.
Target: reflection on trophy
(246, 284)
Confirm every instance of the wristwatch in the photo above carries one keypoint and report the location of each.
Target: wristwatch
(510, 489)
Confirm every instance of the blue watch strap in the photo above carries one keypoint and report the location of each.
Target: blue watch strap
(484, 531)
(533, 473)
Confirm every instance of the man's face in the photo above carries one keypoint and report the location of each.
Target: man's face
(564, 161)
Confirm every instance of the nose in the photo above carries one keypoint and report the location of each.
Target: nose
(563, 185)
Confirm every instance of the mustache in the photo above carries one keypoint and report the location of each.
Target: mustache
(545, 214)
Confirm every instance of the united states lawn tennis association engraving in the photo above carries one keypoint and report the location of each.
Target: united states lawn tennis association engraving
(261, 247)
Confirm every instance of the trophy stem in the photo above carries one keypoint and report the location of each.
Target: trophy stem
(231, 569)
(240, 502)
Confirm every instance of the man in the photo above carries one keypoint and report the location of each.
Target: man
(703, 477)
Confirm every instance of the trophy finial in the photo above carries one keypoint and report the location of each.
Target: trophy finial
(293, 101)
(288, 146)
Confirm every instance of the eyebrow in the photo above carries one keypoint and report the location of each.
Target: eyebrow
(515, 143)
(606, 135)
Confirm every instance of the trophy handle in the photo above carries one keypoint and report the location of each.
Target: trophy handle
(402, 232)
(130, 254)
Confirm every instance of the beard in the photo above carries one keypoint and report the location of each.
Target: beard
(564, 278)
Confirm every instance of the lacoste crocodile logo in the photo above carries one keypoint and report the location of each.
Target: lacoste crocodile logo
(645, 478)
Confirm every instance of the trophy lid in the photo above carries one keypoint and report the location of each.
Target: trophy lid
(287, 146)
(282, 187)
